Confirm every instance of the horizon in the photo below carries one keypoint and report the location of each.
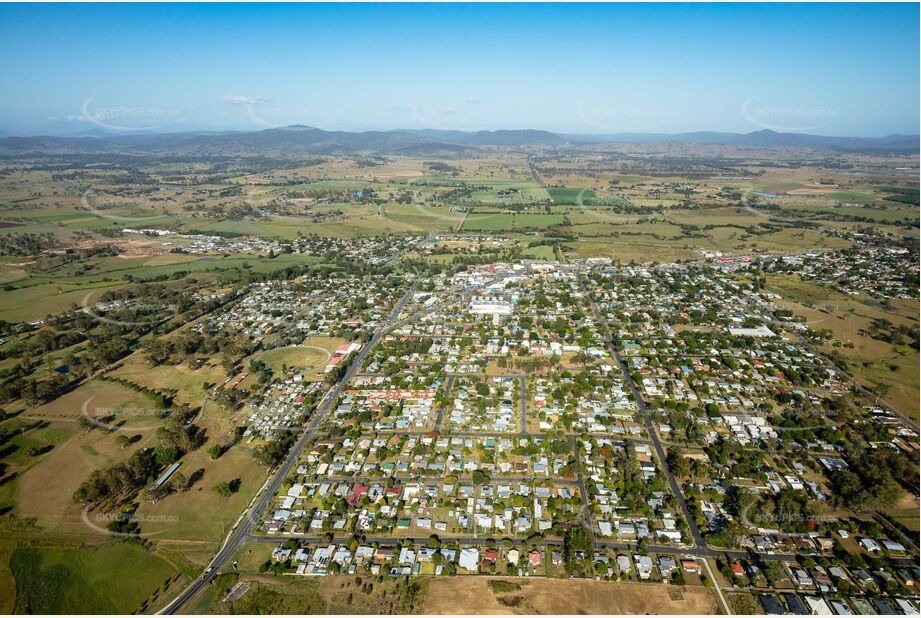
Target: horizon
(576, 70)
(97, 132)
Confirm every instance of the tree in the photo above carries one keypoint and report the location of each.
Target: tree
(227, 488)
(480, 477)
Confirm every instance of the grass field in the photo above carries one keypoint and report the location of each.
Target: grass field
(423, 218)
(188, 383)
(870, 361)
(308, 358)
(305, 360)
(115, 578)
(43, 293)
(630, 250)
(44, 490)
(564, 196)
(200, 514)
(39, 301)
(325, 595)
(478, 222)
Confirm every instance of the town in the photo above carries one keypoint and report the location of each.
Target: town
(581, 418)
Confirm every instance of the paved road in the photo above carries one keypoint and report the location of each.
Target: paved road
(365, 479)
(696, 535)
(583, 494)
(449, 385)
(523, 403)
(673, 550)
(241, 532)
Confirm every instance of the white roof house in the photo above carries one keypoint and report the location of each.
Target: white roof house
(469, 559)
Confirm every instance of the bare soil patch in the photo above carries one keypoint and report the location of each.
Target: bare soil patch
(475, 595)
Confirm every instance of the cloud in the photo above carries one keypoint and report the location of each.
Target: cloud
(473, 102)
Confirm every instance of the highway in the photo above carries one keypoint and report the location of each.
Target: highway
(240, 534)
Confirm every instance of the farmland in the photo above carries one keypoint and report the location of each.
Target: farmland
(200, 322)
(482, 222)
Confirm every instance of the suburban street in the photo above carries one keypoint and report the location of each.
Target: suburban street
(698, 538)
(241, 533)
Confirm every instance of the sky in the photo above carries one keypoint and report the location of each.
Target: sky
(828, 69)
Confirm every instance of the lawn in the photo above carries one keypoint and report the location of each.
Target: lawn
(851, 197)
(26, 304)
(633, 250)
(99, 397)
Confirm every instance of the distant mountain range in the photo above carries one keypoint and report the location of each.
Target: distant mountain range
(297, 140)
(764, 138)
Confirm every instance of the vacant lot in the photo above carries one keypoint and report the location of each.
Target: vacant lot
(474, 595)
(324, 595)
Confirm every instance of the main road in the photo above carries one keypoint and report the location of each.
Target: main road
(696, 535)
(241, 533)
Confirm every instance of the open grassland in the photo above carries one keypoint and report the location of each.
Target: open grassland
(632, 250)
(890, 370)
(46, 465)
(36, 302)
(98, 398)
(325, 595)
(186, 382)
(55, 289)
(45, 489)
(474, 595)
(113, 578)
(423, 217)
(200, 513)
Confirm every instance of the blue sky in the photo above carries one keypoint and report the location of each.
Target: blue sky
(834, 69)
